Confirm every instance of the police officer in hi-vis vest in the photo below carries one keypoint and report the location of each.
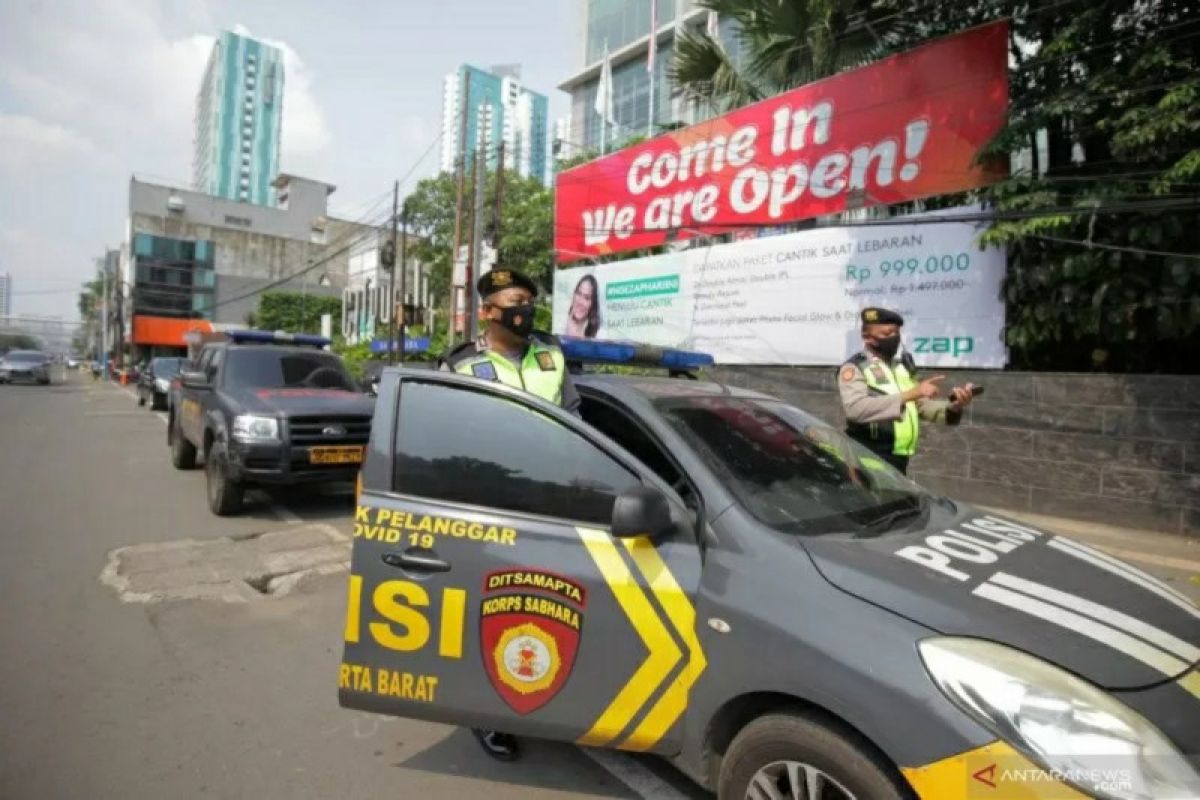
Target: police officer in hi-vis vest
(883, 400)
(510, 351)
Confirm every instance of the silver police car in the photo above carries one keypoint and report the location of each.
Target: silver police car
(712, 575)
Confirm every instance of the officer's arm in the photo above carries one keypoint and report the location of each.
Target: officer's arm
(938, 411)
(860, 405)
(570, 395)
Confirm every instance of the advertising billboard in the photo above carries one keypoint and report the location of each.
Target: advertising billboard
(905, 127)
(795, 298)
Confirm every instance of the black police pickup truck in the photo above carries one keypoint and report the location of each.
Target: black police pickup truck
(267, 408)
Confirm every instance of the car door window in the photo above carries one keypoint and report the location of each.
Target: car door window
(466, 446)
(617, 425)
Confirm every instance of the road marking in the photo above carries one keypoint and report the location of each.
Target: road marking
(1124, 622)
(1118, 640)
(162, 416)
(640, 779)
(1126, 571)
(285, 514)
(126, 413)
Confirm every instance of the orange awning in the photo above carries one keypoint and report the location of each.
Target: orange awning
(166, 331)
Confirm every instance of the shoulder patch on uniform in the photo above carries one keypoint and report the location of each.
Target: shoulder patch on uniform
(458, 352)
(848, 373)
(485, 370)
(545, 360)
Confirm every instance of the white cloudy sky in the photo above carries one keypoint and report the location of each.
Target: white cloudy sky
(92, 91)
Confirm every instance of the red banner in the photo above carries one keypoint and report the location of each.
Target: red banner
(906, 127)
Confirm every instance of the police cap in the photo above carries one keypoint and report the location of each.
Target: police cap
(880, 316)
(504, 278)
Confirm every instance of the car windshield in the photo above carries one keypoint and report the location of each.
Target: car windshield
(272, 368)
(792, 471)
(165, 367)
(26, 357)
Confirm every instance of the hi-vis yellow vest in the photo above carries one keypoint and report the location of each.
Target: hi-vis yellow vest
(542, 370)
(893, 380)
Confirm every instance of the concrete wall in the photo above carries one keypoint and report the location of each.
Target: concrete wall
(1115, 449)
(306, 203)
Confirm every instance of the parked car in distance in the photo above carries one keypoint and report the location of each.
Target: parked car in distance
(154, 383)
(25, 365)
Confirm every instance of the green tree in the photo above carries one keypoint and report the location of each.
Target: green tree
(784, 44)
(526, 225)
(295, 312)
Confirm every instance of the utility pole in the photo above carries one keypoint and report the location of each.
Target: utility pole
(392, 281)
(104, 322)
(499, 202)
(475, 257)
(460, 169)
(403, 275)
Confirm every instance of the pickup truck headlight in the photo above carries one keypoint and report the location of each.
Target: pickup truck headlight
(1078, 733)
(251, 428)
(162, 385)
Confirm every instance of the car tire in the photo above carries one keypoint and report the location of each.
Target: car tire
(141, 399)
(850, 767)
(183, 452)
(224, 494)
(158, 402)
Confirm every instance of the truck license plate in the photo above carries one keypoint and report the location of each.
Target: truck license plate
(352, 454)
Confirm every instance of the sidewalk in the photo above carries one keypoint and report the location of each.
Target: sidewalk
(1174, 559)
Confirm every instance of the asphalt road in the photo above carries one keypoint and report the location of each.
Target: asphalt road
(105, 699)
(101, 698)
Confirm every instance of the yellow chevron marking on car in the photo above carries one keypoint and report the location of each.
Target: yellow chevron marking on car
(1191, 683)
(993, 771)
(663, 653)
(682, 614)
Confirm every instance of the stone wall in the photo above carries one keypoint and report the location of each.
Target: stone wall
(1115, 449)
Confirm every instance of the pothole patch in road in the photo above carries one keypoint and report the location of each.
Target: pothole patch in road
(235, 569)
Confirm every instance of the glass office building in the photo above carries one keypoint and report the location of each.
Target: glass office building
(239, 116)
(498, 109)
(172, 277)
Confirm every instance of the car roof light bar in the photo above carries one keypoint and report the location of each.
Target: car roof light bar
(276, 337)
(632, 354)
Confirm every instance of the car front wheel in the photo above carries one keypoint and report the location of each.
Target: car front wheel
(224, 493)
(780, 756)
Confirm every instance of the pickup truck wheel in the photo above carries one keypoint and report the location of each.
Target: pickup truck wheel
(141, 399)
(224, 494)
(795, 757)
(183, 452)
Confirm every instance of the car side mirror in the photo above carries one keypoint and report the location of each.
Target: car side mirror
(641, 511)
(193, 379)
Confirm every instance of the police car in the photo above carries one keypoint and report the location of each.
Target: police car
(709, 574)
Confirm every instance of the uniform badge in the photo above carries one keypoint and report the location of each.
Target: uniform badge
(848, 373)
(530, 622)
(879, 375)
(485, 370)
(501, 277)
(870, 315)
(545, 361)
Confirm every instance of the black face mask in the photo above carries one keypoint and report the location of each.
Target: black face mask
(887, 346)
(518, 319)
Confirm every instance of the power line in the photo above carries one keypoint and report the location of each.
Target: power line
(1117, 248)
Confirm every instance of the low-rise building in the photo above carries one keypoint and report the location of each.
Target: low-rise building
(189, 256)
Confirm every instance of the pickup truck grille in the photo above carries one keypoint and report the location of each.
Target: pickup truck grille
(311, 431)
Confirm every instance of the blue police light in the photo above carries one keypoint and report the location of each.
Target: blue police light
(276, 337)
(600, 351)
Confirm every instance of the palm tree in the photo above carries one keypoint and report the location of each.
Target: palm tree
(783, 44)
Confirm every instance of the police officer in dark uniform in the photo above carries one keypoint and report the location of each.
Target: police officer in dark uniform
(510, 351)
(883, 399)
